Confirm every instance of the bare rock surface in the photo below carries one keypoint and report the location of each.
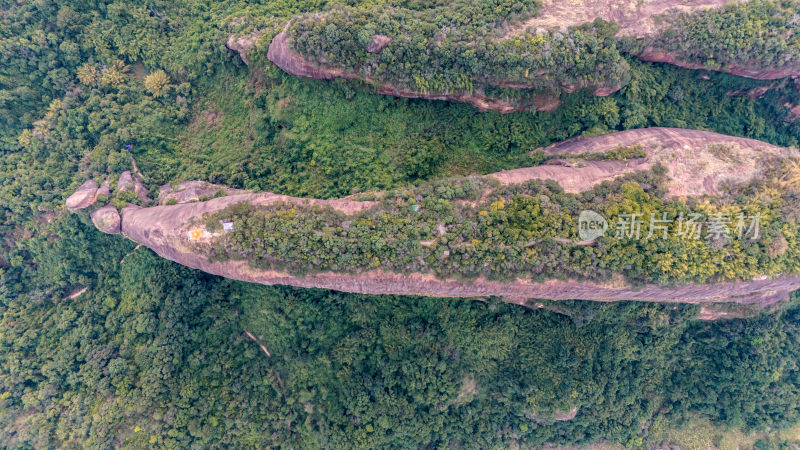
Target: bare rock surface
(296, 64)
(83, 197)
(698, 162)
(190, 191)
(692, 156)
(378, 43)
(107, 220)
(105, 189)
(125, 181)
(636, 19)
(129, 208)
(755, 72)
(165, 229)
(640, 19)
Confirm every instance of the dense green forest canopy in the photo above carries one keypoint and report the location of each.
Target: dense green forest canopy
(154, 354)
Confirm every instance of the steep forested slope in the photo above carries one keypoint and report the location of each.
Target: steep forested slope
(155, 354)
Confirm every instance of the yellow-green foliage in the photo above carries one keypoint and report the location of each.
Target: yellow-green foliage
(527, 231)
(759, 33)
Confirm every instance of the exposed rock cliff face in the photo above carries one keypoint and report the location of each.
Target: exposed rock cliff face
(163, 229)
(190, 191)
(758, 73)
(296, 64)
(764, 292)
(641, 20)
(89, 193)
(167, 229)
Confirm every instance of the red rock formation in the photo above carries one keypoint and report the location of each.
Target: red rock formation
(297, 64)
(639, 20)
(697, 162)
(157, 230)
(190, 191)
(166, 229)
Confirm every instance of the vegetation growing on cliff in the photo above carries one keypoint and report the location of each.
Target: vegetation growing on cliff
(466, 229)
(432, 53)
(760, 34)
(437, 51)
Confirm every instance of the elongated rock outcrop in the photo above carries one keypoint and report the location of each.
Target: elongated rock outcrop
(696, 162)
(296, 64)
(518, 54)
(645, 20)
